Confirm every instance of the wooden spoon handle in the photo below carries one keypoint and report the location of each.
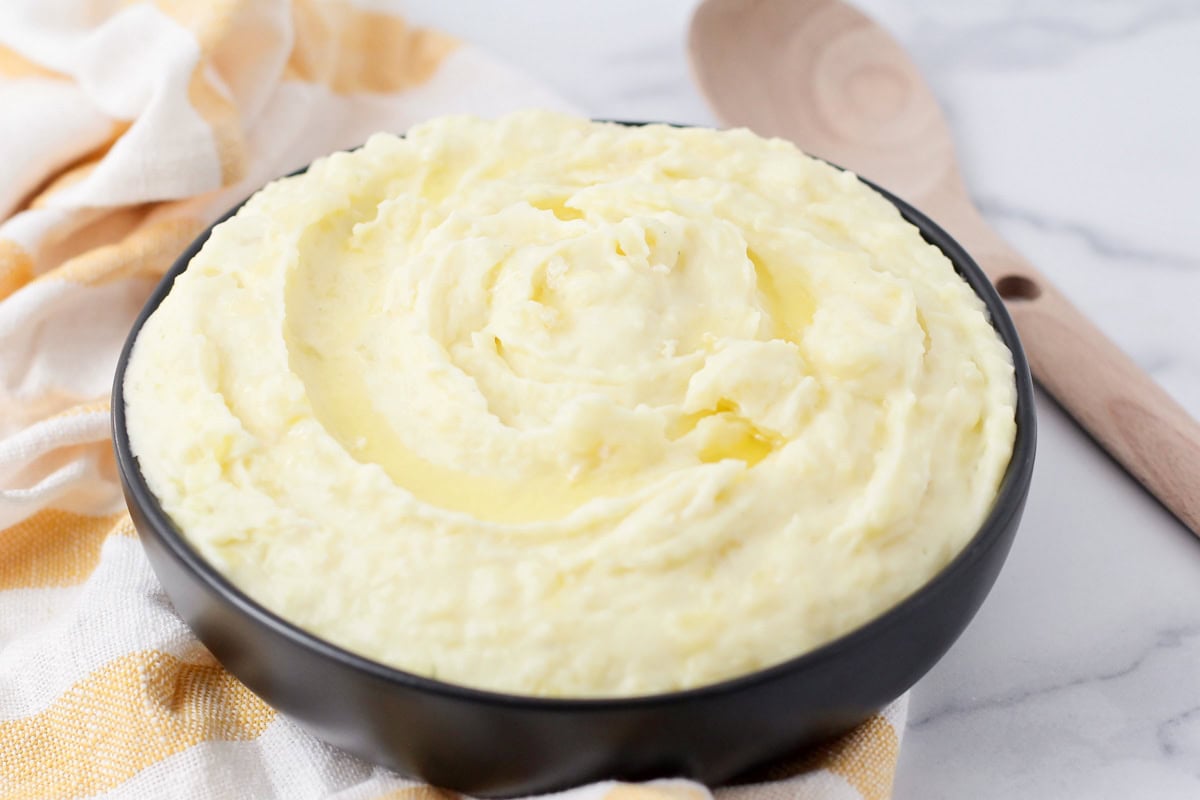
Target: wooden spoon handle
(1130, 415)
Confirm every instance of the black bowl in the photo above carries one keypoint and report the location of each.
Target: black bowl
(485, 743)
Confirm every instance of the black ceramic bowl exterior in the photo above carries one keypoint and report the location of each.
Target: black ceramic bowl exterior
(485, 743)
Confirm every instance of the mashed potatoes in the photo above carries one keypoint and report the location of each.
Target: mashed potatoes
(561, 408)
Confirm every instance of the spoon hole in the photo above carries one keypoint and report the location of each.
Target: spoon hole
(1017, 288)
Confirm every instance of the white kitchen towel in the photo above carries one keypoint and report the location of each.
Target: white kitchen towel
(125, 128)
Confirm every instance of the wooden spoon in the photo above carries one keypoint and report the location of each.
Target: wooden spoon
(822, 74)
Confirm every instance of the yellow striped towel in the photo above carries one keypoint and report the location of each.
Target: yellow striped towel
(124, 128)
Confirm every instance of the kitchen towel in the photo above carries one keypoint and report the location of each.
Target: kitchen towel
(125, 128)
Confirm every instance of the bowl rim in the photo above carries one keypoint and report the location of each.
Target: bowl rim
(1008, 502)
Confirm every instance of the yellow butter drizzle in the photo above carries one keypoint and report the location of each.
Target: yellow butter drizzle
(341, 402)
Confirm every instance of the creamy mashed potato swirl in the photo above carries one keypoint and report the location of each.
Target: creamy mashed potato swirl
(561, 408)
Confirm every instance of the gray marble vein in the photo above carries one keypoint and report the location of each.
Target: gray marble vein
(1038, 34)
(1099, 243)
(1165, 639)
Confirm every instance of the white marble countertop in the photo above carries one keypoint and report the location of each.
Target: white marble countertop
(1076, 125)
